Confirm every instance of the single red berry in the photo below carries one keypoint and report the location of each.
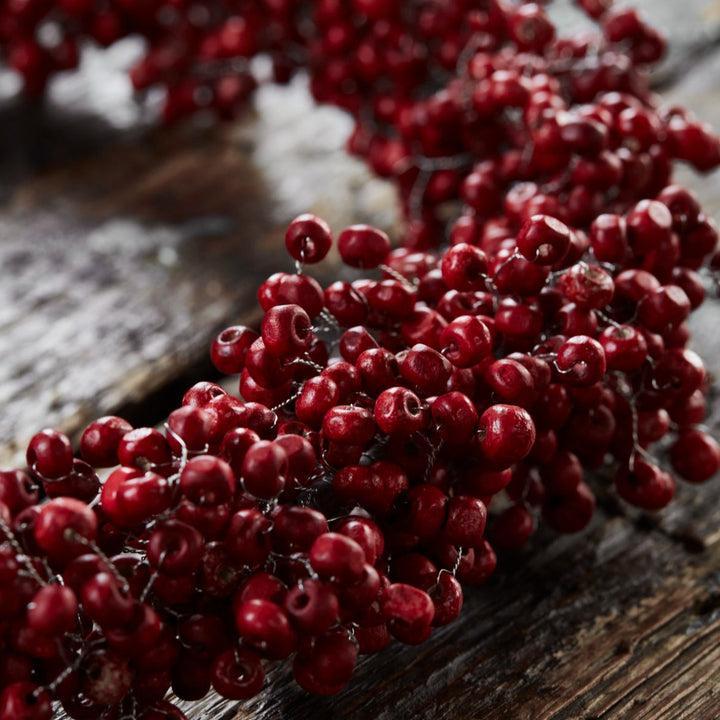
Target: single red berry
(624, 346)
(325, 665)
(464, 267)
(337, 557)
(237, 674)
(506, 434)
(695, 456)
(265, 626)
(544, 240)
(581, 359)
(230, 347)
(99, 442)
(465, 341)
(65, 527)
(644, 485)
(264, 469)
(50, 454)
(362, 246)
(207, 481)
(286, 331)
(399, 411)
(308, 238)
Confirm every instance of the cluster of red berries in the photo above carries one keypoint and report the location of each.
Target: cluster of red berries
(476, 100)
(342, 501)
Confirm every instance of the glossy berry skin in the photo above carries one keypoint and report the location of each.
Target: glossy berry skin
(624, 346)
(143, 446)
(666, 306)
(455, 417)
(426, 369)
(319, 395)
(337, 557)
(17, 490)
(464, 268)
(175, 548)
(312, 607)
(286, 289)
(230, 347)
(408, 604)
(588, 286)
(265, 626)
(399, 411)
(308, 238)
(465, 341)
(64, 527)
(265, 368)
(346, 304)
(649, 225)
(678, 373)
(362, 246)
(189, 428)
(53, 610)
(100, 440)
(106, 602)
(506, 434)
(286, 331)
(608, 238)
(248, 540)
(644, 485)
(695, 456)
(207, 481)
(130, 495)
(264, 469)
(348, 424)
(581, 359)
(19, 701)
(544, 240)
(50, 454)
(237, 674)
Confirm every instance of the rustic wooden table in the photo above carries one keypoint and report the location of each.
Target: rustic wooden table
(124, 249)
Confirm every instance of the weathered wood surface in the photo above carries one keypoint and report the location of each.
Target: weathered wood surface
(123, 249)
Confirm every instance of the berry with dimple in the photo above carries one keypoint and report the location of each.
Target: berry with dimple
(544, 240)
(230, 347)
(65, 527)
(581, 359)
(308, 238)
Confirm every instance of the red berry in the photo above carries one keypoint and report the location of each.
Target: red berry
(308, 238)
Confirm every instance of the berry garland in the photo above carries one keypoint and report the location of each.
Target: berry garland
(343, 500)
